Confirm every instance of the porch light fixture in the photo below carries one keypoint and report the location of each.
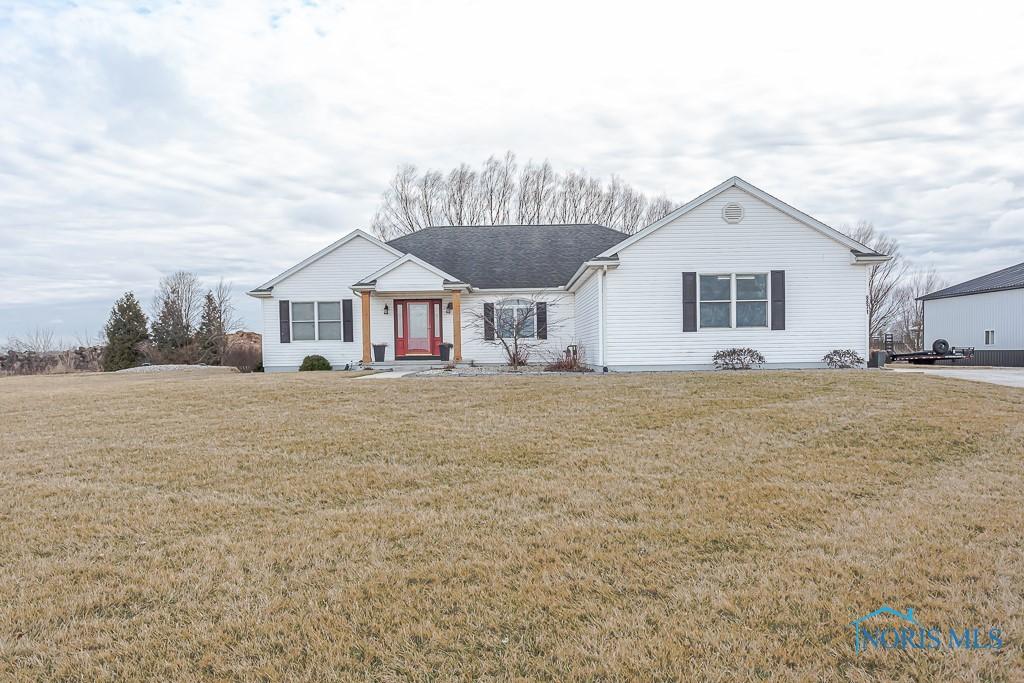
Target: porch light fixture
(385, 309)
(448, 308)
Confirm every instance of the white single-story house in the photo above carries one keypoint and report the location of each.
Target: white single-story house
(735, 267)
(986, 313)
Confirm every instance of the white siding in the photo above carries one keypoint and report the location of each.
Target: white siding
(328, 279)
(825, 293)
(588, 318)
(561, 326)
(962, 320)
(409, 277)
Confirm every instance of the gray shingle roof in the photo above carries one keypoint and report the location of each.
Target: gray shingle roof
(510, 256)
(1007, 278)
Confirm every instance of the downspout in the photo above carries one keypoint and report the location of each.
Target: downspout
(602, 330)
(867, 319)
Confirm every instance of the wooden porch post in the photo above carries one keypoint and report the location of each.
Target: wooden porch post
(366, 327)
(457, 324)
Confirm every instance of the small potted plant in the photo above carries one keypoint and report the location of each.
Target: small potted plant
(378, 352)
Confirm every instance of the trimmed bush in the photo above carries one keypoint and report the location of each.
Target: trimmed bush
(842, 358)
(737, 359)
(314, 362)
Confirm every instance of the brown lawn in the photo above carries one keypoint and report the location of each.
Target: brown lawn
(658, 527)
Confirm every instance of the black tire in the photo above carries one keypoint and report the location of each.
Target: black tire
(940, 346)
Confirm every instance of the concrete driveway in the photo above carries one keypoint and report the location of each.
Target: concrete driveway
(1008, 377)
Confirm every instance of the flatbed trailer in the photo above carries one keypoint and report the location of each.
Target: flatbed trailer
(941, 350)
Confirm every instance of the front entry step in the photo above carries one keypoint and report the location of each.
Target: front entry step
(389, 373)
(417, 364)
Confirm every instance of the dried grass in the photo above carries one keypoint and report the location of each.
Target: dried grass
(655, 527)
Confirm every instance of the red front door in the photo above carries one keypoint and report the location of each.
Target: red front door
(417, 327)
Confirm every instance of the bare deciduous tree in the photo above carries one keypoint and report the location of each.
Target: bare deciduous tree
(633, 210)
(226, 306)
(658, 208)
(39, 340)
(909, 325)
(400, 212)
(461, 199)
(499, 186)
(181, 292)
(883, 302)
(431, 200)
(501, 193)
(513, 325)
(536, 192)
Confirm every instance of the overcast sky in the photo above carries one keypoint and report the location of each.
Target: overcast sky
(235, 138)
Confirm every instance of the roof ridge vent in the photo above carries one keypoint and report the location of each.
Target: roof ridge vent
(732, 212)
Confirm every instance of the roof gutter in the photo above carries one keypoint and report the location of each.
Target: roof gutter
(593, 264)
(447, 286)
(858, 257)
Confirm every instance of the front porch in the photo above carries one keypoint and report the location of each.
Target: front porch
(411, 328)
(411, 309)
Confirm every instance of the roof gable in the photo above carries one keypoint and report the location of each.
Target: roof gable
(857, 248)
(268, 285)
(408, 262)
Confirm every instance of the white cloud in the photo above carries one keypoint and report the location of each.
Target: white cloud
(233, 138)
(964, 199)
(1009, 226)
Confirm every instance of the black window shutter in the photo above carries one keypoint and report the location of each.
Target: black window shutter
(542, 320)
(346, 319)
(778, 299)
(286, 328)
(689, 302)
(488, 321)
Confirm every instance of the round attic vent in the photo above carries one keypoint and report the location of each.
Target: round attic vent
(732, 212)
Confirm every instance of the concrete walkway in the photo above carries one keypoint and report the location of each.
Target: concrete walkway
(390, 374)
(1007, 377)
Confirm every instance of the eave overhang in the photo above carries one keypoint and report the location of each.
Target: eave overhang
(868, 257)
(597, 263)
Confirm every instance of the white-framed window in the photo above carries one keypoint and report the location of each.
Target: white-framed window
(716, 300)
(733, 300)
(513, 313)
(990, 337)
(316, 321)
(303, 321)
(328, 325)
(751, 299)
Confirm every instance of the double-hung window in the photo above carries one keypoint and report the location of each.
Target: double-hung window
(734, 300)
(328, 320)
(303, 321)
(316, 320)
(515, 318)
(716, 300)
(752, 300)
